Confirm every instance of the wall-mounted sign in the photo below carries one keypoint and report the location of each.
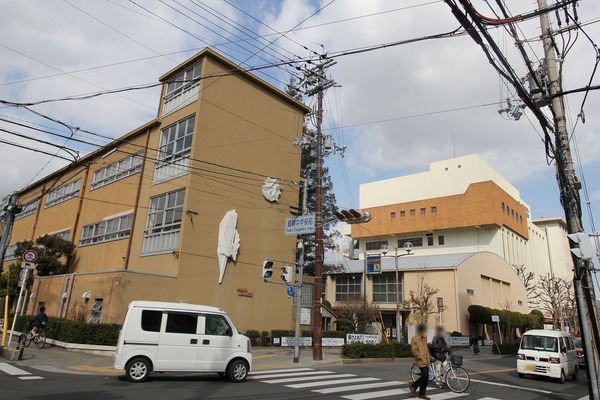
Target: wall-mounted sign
(374, 264)
(300, 225)
(243, 292)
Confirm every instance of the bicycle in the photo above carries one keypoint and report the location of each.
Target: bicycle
(455, 376)
(39, 338)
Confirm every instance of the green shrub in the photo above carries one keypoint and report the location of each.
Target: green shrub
(265, 338)
(254, 337)
(456, 334)
(281, 333)
(381, 350)
(334, 334)
(506, 348)
(66, 330)
(345, 325)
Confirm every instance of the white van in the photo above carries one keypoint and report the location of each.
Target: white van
(178, 337)
(547, 353)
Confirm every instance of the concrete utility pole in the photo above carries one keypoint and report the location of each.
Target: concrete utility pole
(569, 187)
(11, 210)
(300, 278)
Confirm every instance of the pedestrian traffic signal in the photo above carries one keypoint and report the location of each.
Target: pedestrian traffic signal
(353, 216)
(267, 270)
(287, 274)
(585, 248)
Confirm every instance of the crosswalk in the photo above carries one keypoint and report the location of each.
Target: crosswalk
(18, 372)
(347, 386)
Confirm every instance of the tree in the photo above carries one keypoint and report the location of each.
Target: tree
(553, 295)
(419, 300)
(528, 280)
(360, 312)
(308, 159)
(54, 254)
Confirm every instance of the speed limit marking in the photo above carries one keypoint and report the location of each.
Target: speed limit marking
(30, 256)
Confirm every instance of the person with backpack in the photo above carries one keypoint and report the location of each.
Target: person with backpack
(39, 321)
(439, 350)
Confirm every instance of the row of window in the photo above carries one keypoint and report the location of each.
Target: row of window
(348, 288)
(10, 253)
(416, 242)
(186, 323)
(413, 212)
(118, 170)
(107, 230)
(511, 213)
(182, 90)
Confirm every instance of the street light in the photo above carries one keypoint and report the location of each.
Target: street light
(408, 246)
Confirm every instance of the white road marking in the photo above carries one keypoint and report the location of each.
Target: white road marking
(492, 398)
(12, 370)
(269, 376)
(446, 395)
(28, 378)
(307, 378)
(512, 386)
(280, 371)
(359, 387)
(376, 395)
(330, 383)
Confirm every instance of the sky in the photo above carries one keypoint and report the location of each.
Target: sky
(396, 109)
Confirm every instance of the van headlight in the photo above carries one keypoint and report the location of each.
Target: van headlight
(554, 360)
(521, 356)
(249, 346)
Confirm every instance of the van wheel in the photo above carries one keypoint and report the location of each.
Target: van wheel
(575, 375)
(562, 377)
(521, 375)
(137, 370)
(237, 371)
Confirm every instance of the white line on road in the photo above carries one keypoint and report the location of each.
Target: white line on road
(376, 395)
(489, 398)
(512, 386)
(358, 387)
(446, 395)
(330, 383)
(12, 370)
(290, 375)
(307, 378)
(28, 378)
(280, 371)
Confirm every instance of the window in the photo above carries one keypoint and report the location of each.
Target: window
(470, 292)
(174, 150)
(520, 219)
(375, 245)
(423, 211)
(118, 170)
(65, 235)
(503, 207)
(412, 213)
(402, 214)
(216, 325)
(433, 209)
(416, 242)
(28, 209)
(164, 223)
(9, 254)
(151, 320)
(384, 288)
(96, 311)
(512, 212)
(63, 193)
(107, 230)
(181, 323)
(348, 288)
(393, 214)
(429, 239)
(441, 240)
(182, 89)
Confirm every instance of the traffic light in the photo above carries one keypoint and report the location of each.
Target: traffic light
(267, 270)
(353, 216)
(287, 274)
(585, 248)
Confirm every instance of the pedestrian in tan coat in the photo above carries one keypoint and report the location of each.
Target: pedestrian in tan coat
(420, 351)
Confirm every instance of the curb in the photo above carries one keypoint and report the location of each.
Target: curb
(376, 360)
(96, 350)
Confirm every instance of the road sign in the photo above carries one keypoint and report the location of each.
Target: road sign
(495, 318)
(30, 256)
(291, 291)
(374, 264)
(28, 265)
(440, 304)
(23, 274)
(300, 225)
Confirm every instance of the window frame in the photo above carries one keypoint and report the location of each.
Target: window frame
(390, 287)
(159, 209)
(416, 242)
(219, 317)
(375, 245)
(63, 193)
(28, 209)
(157, 312)
(185, 84)
(348, 281)
(117, 170)
(183, 314)
(99, 230)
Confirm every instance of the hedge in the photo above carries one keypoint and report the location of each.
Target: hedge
(506, 349)
(483, 315)
(66, 330)
(380, 350)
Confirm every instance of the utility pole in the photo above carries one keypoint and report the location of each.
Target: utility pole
(317, 79)
(10, 211)
(300, 278)
(569, 187)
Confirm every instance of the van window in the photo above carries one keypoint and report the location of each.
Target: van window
(151, 320)
(570, 344)
(181, 323)
(539, 343)
(216, 325)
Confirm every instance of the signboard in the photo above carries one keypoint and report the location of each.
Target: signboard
(440, 304)
(290, 291)
(332, 342)
(27, 265)
(300, 225)
(495, 318)
(291, 341)
(374, 264)
(459, 341)
(305, 314)
(360, 338)
(30, 256)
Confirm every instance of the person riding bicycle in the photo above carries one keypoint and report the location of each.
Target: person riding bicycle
(439, 350)
(39, 321)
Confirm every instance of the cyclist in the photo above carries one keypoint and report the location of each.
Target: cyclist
(39, 321)
(439, 351)
(420, 351)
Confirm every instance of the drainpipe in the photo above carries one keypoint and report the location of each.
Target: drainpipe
(37, 212)
(80, 205)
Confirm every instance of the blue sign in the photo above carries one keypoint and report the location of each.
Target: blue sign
(374, 264)
(291, 291)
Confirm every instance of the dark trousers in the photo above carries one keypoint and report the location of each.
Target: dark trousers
(421, 383)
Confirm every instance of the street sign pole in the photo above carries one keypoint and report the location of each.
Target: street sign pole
(23, 283)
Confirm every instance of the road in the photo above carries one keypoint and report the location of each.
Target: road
(492, 379)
